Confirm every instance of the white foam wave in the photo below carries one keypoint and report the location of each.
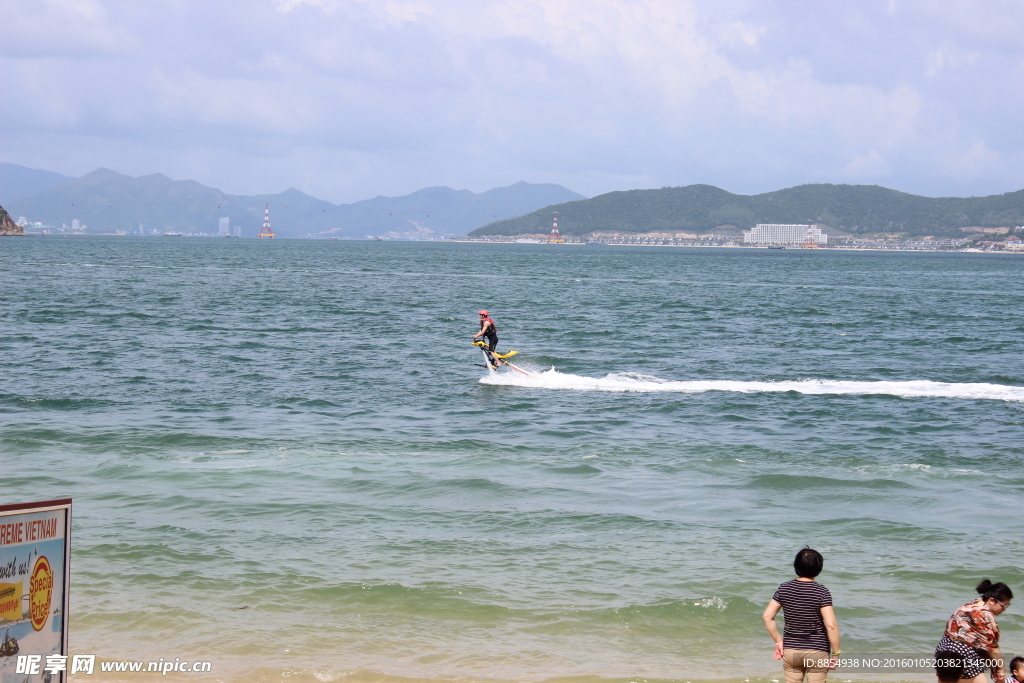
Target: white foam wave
(635, 382)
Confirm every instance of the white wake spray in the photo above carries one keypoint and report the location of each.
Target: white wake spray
(635, 382)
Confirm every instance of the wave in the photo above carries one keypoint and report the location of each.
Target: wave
(640, 383)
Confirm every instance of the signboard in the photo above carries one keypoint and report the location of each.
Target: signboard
(35, 553)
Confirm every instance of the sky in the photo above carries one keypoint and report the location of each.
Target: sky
(350, 99)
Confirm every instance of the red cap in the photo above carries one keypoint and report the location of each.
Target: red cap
(484, 312)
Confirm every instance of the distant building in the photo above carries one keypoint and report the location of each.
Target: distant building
(75, 225)
(238, 231)
(225, 226)
(22, 221)
(782, 233)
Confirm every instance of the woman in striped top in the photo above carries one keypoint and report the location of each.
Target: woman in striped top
(811, 635)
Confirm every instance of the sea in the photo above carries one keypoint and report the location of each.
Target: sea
(286, 459)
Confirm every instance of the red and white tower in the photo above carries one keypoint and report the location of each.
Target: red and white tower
(809, 241)
(555, 237)
(266, 231)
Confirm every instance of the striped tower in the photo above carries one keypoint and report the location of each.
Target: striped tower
(266, 231)
(555, 237)
(809, 241)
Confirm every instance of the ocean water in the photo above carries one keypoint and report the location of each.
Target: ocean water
(284, 458)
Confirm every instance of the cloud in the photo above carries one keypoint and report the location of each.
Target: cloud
(870, 166)
(347, 99)
(62, 28)
(940, 59)
(977, 160)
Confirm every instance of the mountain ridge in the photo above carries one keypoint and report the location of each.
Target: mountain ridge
(108, 201)
(19, 182)
(854, 209)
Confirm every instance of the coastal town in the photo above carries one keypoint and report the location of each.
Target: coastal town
(782, 236)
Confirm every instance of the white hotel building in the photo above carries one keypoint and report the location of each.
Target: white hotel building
(778, 233)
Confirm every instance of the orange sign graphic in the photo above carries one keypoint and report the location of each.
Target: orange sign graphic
(40, 591)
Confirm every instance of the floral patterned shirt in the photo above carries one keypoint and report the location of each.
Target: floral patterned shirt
(974, 625)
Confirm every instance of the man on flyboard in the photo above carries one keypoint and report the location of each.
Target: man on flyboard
(489, 331)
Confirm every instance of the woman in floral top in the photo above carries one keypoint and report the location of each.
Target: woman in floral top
(973, 633)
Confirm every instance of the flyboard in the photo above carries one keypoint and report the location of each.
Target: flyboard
(496, 360)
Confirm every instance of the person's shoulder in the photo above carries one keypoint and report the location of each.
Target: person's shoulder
(812, 586)
(973, 606)
(808, 588)
(790, 586)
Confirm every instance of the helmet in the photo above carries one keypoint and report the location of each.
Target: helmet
(484, 312)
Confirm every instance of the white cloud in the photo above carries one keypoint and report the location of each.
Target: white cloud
(746, 34)
(976, 160)
(868, 166)
(353, 98)
(62, 29)
(940, 59)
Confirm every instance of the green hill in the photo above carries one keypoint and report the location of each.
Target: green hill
(856, 209)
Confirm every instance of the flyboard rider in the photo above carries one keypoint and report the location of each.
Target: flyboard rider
(489, 331)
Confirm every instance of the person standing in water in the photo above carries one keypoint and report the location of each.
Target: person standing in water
(489, 331)
(810, 640)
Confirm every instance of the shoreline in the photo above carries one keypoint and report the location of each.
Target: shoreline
(235, 669)
(1015, 252)
(737, 246)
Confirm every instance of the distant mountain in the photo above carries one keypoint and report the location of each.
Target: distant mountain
(19, 182)
(856, 209)
(107, 201)
(443, 210)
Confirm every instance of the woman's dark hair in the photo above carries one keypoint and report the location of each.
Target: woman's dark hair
(1000, 591)
(949, 666)
(808, 563)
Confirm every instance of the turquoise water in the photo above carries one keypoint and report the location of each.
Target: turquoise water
(298, 429)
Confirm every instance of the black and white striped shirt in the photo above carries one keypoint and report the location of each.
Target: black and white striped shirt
(801, 607)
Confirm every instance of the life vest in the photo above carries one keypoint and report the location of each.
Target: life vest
(493, 329)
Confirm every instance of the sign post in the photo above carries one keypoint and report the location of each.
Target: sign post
(35, 559)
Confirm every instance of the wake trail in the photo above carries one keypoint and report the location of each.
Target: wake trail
(625, 382)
